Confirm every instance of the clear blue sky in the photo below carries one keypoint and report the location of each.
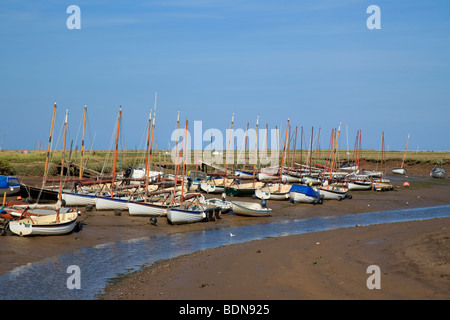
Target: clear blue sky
(314, 62)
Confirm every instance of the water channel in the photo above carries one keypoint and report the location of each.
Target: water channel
(47, 279)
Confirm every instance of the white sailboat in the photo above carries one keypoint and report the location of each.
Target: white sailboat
(402, 170)
(48, 224)
(251, 209)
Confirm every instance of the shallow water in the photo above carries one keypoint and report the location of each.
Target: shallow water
(47, 279)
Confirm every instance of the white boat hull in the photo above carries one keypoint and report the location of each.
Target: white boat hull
(438, 173)
(298, 197)
(399, 171)
(146, 209)
(250, 209)
(223, 204)
(78, 199)
(180, 216)
(264, 176)
(210, 188)
(107, 203)
(45, 225)
(359, 185)
(333, 193)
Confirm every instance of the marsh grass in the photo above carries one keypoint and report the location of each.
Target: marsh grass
(33, 162)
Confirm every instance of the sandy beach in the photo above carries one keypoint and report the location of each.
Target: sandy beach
(412, 256)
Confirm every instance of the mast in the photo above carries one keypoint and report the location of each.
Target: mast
(382, 151)
(334, 153)
(62, 162)
(284, 151)
(228, 149)
(49, 146)
(147, 154)
(184, 165)
(82, 143)
(176, 159)
(406, 148)
(256, 150)
(115, 152)
(295, 148)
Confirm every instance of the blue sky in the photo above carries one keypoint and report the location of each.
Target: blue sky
(314, 62)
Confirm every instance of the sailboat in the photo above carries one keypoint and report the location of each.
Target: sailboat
(402, 170)
(382, 184)
(114, 200)
(161, 205)
(331, 190)
(42, 193)
(187, 211)
(49, 224)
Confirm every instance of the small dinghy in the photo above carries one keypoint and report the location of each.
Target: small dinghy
(274, 192)
(50, 224)
(333, 192)
(251, 209)
(305, 194)
(188, 212)
(438, 172)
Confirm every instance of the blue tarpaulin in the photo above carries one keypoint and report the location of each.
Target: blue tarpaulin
(307, 190)
(5, 183)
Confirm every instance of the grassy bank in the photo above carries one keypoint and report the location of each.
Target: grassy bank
(32, 163)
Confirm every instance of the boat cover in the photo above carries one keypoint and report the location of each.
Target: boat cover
(4, 182)
(307, 190)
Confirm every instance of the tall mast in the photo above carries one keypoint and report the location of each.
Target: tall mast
(295, 148)
(229, 141)
(284, 151)
(49, 145)
(176, 159)
(334, 153)
(256, 150)
(184, 165)
(147, 154)
(62, 163)
(406, 148)
(115, 152)
(82, 144)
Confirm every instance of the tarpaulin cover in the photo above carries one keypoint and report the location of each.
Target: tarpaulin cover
(307, 190)
(4, 181)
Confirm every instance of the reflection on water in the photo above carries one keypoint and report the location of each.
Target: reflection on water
(47, 278)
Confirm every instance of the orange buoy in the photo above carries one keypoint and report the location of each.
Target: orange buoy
(406, 184)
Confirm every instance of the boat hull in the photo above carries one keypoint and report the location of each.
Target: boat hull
(438, 173)
(178, 216)
(359, 185)
(249, 209)
(399, 171)
(38, 193)
(211, 188)
(333, 193)
(78, 199)
(146, 209)
(44, 225)
(107, 203)
(304, 194)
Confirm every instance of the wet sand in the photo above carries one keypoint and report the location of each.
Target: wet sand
(413, 257)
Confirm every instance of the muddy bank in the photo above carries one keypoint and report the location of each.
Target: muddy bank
(102, 227)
